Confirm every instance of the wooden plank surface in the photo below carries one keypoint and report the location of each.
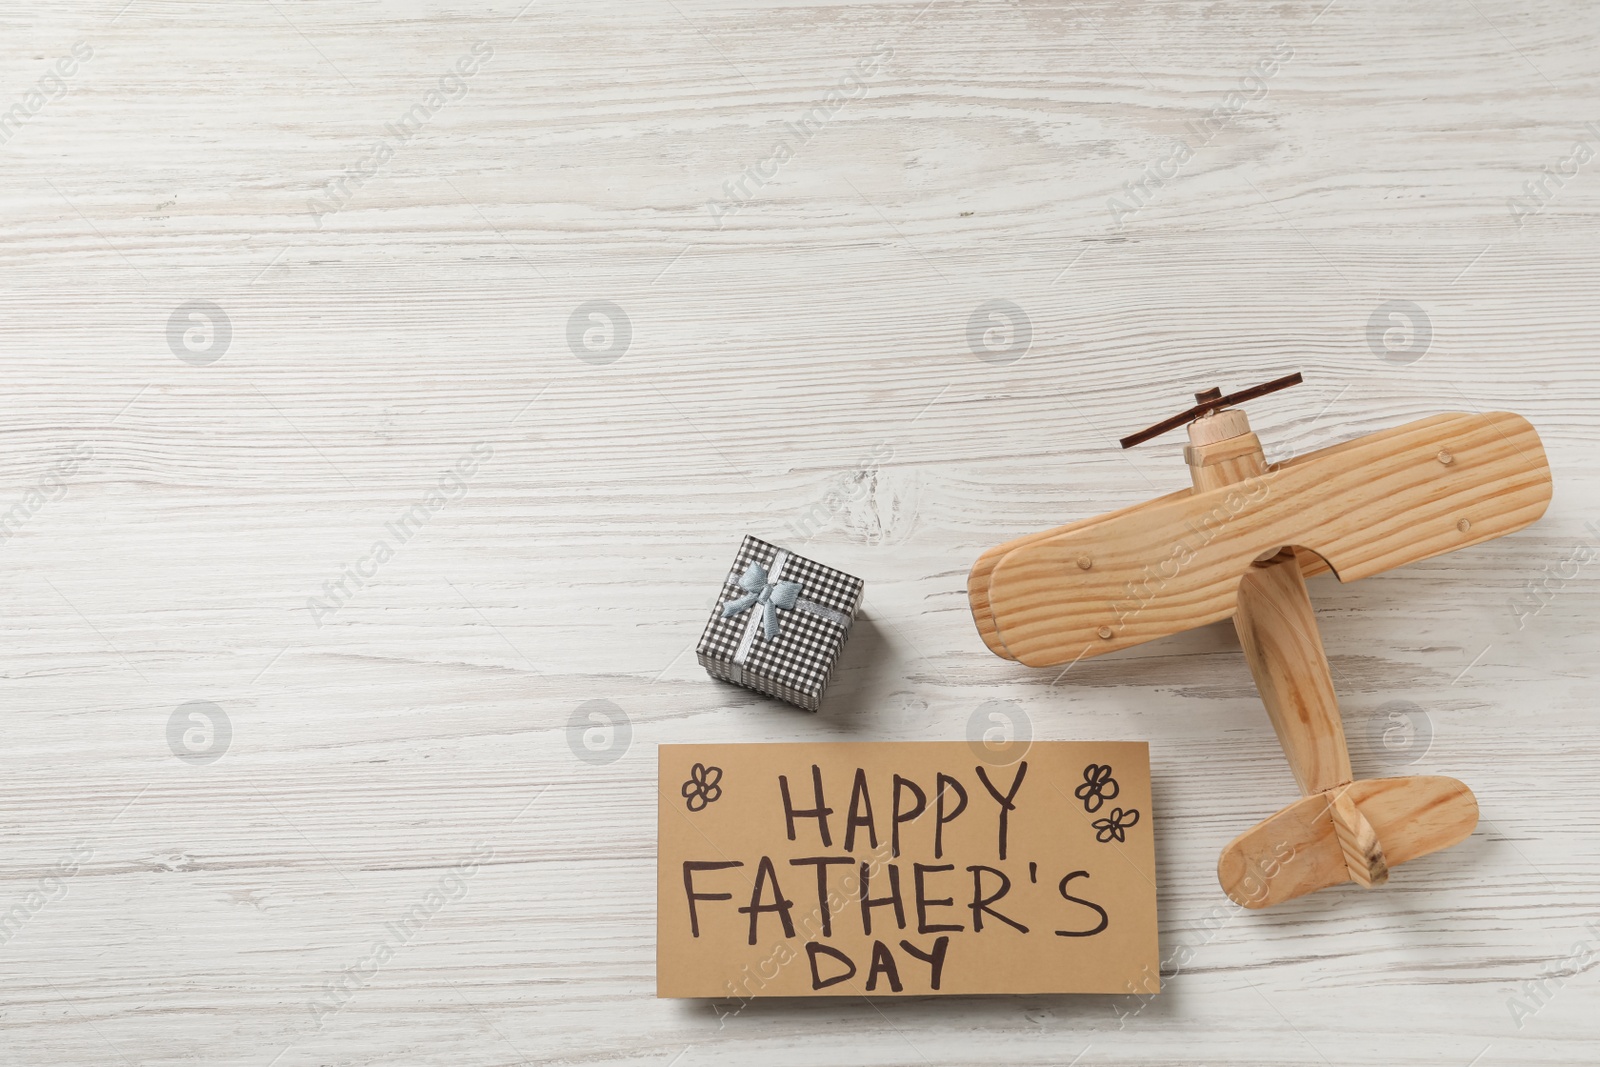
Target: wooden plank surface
(449, 763)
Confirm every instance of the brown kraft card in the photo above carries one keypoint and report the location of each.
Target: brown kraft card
(847, 869)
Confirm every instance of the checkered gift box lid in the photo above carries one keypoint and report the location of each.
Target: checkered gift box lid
(779, 624)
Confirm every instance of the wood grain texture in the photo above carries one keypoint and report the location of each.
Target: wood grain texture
(1354, 834)
(1275, 621)
(1366, 863)
(1365, 506)
(809, 364)
(1278, 635)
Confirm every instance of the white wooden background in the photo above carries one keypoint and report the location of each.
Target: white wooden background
(171, 519)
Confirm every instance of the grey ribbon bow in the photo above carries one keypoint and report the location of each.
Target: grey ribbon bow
(770, 595)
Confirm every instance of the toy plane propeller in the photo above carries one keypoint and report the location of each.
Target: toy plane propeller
(1239, 545)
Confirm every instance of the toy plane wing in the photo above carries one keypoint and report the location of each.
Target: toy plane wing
(1174, 563)
(983, 569)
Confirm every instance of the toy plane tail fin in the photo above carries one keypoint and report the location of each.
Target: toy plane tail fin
(1352, 833)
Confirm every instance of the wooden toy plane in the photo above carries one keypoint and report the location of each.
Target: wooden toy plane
(1239, 545)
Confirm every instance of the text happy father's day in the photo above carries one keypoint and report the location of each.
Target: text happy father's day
(861, 906)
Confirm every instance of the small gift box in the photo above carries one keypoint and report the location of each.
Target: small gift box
(779, 624)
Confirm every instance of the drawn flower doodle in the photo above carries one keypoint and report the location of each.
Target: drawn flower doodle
(1097, 788)
(702, 788)
(1114, 826)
